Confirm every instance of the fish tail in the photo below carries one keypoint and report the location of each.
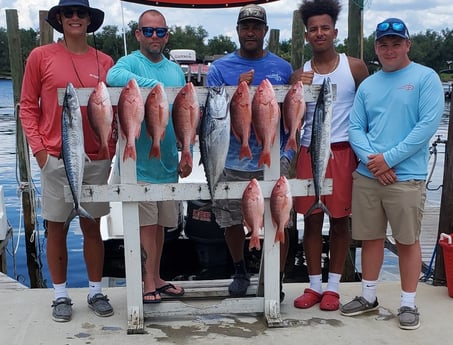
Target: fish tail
(254, 243)
(186, 158)
(77, 211)
(155, 151)
(265, 158)
(103, 153)
(280, 236)
(245, 152)
(291, 144)
(318, 204)
(129, 152)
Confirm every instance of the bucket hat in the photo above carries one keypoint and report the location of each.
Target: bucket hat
(96, 15)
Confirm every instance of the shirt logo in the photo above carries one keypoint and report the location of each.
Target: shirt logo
(407, 87)
(274, 76)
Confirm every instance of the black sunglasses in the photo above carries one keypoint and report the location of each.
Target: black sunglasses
(148, 31)
(80, 12)
(395, 26)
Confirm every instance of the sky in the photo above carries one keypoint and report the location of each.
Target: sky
(419, 15)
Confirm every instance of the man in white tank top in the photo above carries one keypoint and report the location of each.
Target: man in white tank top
(319, 18)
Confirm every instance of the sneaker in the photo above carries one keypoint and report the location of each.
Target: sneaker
(62, 309)
(409, 318)
(99, 303)
(239, 285)
(357, 306)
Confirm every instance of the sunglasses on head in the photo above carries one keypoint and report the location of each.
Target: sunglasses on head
(148, 31)
(80, 12)
(395, 26)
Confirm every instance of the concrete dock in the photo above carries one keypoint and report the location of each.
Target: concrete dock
(25, 319)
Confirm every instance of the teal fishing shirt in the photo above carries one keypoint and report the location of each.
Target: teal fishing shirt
(397, 113)
(148, 74)
(226, 71)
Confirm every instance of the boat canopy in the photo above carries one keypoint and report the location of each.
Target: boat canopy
(198, 3)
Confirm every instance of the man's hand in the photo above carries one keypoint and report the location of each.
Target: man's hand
(305, 77)
(41, 158)
(247, 77)
(378, 166)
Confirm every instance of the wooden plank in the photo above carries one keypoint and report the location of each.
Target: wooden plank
(127, 192)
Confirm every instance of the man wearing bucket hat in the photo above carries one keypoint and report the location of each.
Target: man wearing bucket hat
(48, 68)
(396, 112)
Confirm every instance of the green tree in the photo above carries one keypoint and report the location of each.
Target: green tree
(220, 45)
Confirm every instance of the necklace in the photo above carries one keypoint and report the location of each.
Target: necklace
(316, 69)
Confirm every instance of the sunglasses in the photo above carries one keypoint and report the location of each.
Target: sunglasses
(395, 26)
(148, 31)
(80, 12)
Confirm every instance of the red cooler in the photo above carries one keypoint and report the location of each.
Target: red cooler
(447, 247)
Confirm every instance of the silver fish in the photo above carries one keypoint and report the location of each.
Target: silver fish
(73, 151)
(319, 149)
(215, 135)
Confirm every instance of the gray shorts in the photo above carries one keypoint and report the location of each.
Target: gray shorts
(400, 204)
(53, 180)
(228, 212)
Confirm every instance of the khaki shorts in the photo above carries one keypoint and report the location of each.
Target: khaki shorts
(163, 213)
(339, 169)
(53, 180)
(228, 212)
(400, 204)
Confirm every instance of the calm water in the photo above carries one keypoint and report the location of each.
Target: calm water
(76, 271)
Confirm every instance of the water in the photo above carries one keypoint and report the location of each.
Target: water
(9, 180)
(76, 267)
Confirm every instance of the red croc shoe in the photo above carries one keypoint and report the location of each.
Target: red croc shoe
(308, 299)
(330, 301)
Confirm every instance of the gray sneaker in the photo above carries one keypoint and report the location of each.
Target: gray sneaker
(357, 306)
(99, 303)
(409, 318)
(62, 309)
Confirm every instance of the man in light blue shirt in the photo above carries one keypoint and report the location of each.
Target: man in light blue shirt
(396, 112)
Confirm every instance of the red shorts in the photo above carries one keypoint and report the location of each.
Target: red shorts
(340, 168)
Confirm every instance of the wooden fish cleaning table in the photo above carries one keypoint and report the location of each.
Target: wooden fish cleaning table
(129, 193)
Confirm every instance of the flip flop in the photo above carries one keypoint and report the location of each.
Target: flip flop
(156, 296)
(330, 301)
(165, 290)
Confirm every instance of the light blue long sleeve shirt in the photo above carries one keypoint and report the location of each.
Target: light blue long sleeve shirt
(148, 74)
(397, 113)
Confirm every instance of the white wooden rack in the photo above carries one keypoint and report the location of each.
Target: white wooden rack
(129, 193)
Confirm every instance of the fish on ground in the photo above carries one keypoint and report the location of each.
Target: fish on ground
(215, 135)
(131, 111)
(241, 118)
(281, 203)
(319, 148)
(293, 113)
(100, 116)
(252, 205)
(73, 150)
(157, 115)
(186, 116)
(265, 119)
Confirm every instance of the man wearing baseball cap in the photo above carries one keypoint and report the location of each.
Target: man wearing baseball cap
(396, 112)
(250, 63)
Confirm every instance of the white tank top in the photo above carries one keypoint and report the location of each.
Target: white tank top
(342, 77)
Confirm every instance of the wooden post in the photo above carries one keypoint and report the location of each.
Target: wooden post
(28, 197)
(355, 23)
(274, 38)
(446, 209)
(45, 30)
(297, 41)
